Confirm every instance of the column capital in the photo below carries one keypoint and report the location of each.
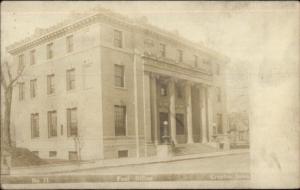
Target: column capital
(154, 75)
(188, 82)
(172, 80)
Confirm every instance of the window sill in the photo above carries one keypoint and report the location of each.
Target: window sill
(51, 95)
(53, 137)
(87, 88)
(69, 137)
(71, 91)
(121, 88)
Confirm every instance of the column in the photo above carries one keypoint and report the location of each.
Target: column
(136, 117)
(188, 98)
(203, 113)
(147, 110)
(172, 110)
(210, 120)
(153, 99)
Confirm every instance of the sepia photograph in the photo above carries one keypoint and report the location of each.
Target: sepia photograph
(150, 94)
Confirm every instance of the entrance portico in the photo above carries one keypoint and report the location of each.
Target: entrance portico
(179, 109)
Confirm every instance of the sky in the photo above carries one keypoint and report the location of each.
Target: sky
(256, 36)
(260, 38)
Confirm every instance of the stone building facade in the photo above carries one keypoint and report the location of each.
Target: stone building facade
(103, 86)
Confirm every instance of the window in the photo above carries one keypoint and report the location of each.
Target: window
(120, 120)
(32, 57)
(219, 124)
(195, 60)
(219, 95)
(50, 84)
(35, 153)
(72, 122)
(21, 91)
(52, 154)
(70, 79)
(119, 76)
(35, 125)
(118, 38)
(163, 90)
(206, 62)
(87, 76)
(217, 69)
(21, 62)
(52, 124)
(162, 50)
(69, 43)
(49, 51)
(179, 124)
(73, 155)
(33, 86)
(148, 43)
(180, 55)
(179, 92)
(61, 130)
(122, 153)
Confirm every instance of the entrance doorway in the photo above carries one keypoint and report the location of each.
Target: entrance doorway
(163, 122)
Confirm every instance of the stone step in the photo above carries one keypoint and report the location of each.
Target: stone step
(196, 148)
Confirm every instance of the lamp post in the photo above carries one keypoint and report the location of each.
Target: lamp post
(165, 136)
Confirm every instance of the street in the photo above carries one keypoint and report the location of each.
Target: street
(239, 163)
(227, 168)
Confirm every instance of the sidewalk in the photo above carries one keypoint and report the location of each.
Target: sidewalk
(66, 168)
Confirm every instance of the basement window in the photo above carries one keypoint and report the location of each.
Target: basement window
(52, 154)
(35, 153)
(122, 153)
(73, 155)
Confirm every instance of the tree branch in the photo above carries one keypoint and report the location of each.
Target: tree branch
(20, 72)
(8, 70)
(3, 81)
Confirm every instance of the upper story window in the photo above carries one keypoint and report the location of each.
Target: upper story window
(33, 88)
(195, 60)
(206, 62)
(219, 94)
(120, 120)
(162, 50)
(52, 124)
(72, 127)
(163, 90)
(148, 43)
(118, 38)
(219, 124)
(21, 62)
(32, 57)
(21, 90)
(87, 71)
(70, 79)
(69, 43)
(35, 125)
(180, 55)
(50, 51)
(119, 76)
(217, 69)
(50, 84)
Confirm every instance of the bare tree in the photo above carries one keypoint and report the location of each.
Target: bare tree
(8, 80)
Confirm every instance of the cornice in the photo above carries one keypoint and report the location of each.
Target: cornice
(61, 29)
(36, 40)
(181, 66)
(155, 65)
